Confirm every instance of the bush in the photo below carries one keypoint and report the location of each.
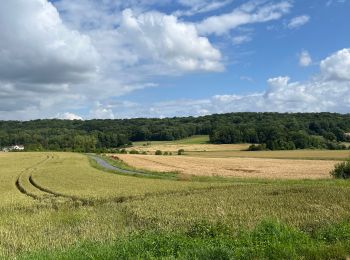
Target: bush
(159, 152)
(259, 147)
(166, 153)
(123, 151)
(180, 152)
(342, 170)
(134, 152)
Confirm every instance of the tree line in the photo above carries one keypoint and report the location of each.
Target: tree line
(274, 131)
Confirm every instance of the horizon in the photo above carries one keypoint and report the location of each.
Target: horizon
(175, 117)
(89, 60)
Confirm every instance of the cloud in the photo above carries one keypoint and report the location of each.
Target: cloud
(200, 6)
(248, 13)
(305, 59)
(38, 48)
(337, 66)
(69, 116)
(237, 40)
(331, 2)
(298, 21)
(40, 60)
(93, 55)
(101, 112)
(328, 91)
(160, 38)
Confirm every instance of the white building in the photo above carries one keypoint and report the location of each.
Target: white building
(13, 148)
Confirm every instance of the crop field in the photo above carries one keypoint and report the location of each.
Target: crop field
(294, 154)
(233, 167)
(63, 206)
(192, 144)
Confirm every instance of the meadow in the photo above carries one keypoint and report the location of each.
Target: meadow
(63, 206)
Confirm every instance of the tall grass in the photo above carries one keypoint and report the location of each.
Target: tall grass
(268, 240)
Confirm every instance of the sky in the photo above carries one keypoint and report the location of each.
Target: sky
(109, 59)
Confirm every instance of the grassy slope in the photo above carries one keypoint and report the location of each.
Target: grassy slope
(196, 139)
(223, 222)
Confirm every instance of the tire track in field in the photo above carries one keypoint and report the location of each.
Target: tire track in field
(18, 184)
(46, 194)
(67, 199)
(58, 194)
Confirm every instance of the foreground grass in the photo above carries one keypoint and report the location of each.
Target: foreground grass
(268, 240)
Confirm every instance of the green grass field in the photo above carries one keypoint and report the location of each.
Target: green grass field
(196, 139)
(58, 206)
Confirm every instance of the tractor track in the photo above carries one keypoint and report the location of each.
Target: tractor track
(18, 184)
(54, 197)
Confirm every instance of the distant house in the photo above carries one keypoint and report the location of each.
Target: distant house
(13, 148)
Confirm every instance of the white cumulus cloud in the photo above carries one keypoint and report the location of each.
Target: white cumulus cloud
(328, 91)
(69, 116)
(164, 39)
(36, 47)
(337, 66)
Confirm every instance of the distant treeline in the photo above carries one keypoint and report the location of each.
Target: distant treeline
(274, 131)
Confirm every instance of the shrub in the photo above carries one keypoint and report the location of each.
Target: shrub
(159, 152)
(134, 152)
(166, 153)
(342, 170)
(123, 151)
(180, 152)
(259, 147)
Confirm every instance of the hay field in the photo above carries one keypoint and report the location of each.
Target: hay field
(294, 154)
(174, 147)
(233, 167)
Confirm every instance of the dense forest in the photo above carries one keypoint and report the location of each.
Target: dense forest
(272, 131)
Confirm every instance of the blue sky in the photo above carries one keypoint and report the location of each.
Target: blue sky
(146, 58)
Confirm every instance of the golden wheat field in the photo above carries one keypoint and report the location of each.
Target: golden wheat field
(233, 167)
(294, 154)
(173, 147)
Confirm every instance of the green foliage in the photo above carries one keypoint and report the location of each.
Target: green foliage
(158, 152)
(134, 152)
(277, 131)
(268, 240)
(342, 170)
(259, 147)
(123, 151)
(180, 152)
